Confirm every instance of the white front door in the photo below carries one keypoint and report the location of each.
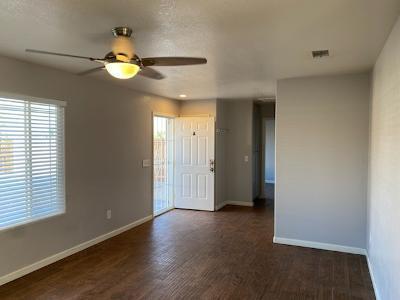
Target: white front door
(194, 185)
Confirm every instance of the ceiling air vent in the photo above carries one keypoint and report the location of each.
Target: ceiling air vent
(320, 53)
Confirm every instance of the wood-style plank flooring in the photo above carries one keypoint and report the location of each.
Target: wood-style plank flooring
(227, 254)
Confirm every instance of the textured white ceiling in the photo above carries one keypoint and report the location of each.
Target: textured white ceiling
(248, 43)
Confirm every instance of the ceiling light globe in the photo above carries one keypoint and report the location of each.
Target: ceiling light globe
(122, 70)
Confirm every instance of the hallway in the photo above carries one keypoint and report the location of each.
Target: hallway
(184, 254)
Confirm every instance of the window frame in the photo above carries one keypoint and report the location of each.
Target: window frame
(63, 104)
(171, 152)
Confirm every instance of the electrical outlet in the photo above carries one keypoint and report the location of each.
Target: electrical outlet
(108, 214)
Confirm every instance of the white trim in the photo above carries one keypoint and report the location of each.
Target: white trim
(31, 221)
(269, 181)
(164, 115)
(317, 245)
(196, 116)
(238, 203)
(58, 256)
(371, 273)
(12, 96)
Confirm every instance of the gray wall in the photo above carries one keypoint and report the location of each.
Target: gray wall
(108, 133)
(383, 236)
(234, 116)
(198, 107)
(322, 159)
(220, 152)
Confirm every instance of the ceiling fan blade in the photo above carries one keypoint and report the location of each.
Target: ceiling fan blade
(151, 73)
(62, 54)
(173, 61)
(91, 71)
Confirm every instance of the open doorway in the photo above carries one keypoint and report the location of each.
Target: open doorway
(183, 163)
(264, 152)
(163, 164)
(268, 142)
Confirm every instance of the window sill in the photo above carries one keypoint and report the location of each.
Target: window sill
(30, 222)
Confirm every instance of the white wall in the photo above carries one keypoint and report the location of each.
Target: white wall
(322, 159)
(383, 237)
(108, 134)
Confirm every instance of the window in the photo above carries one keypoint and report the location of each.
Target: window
(31, 160)
(163, 164)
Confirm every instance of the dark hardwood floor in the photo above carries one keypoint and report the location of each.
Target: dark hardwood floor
(199, 255)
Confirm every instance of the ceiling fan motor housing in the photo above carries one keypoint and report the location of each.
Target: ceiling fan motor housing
(122, 31)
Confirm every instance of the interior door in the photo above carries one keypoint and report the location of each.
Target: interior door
(194, 163)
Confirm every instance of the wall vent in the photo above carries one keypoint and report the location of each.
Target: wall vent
(320, 53)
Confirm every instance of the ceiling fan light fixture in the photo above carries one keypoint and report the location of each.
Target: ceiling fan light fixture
(123, 63)
(122, 70)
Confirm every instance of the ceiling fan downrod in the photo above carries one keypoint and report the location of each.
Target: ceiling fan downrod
(122, 31)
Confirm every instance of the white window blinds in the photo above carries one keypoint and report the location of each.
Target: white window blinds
(31, 161)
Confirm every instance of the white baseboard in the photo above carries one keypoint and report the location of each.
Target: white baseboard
(333, 247)
(220, 205)
(371, 272)
(317, 245)
(239, 203)
(51, 259)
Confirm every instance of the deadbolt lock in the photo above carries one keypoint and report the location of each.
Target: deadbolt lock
(212, 164)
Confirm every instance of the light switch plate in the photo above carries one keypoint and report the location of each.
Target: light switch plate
(246, 158)
(146, 163)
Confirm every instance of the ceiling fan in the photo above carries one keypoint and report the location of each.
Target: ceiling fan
(123, 63)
